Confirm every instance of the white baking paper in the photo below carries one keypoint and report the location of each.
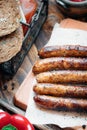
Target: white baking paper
(37, 115)
(64, 36)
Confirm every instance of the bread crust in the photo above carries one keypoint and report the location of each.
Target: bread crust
(11, 44)
(9, 16)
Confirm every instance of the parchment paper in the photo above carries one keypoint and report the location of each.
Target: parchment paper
(64, 36)
(37, 115)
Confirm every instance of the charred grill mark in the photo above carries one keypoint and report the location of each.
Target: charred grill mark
(65, 51)
(59, 103)
(62, 77)
(60, 90)
(59, 63)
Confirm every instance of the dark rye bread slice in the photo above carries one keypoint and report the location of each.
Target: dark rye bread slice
(10, 45)
(9, 16)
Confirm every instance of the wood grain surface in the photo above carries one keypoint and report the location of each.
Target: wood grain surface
(22, 95)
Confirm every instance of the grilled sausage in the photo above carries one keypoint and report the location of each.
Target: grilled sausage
(63, 51)
(58, 63)
(61, 90)
(59, 103)
(62, 77)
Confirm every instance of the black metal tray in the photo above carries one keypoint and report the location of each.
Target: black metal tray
(10, 67)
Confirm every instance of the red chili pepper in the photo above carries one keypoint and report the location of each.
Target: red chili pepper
(18, 121)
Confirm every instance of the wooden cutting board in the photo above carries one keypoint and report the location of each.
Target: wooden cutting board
(22, 95)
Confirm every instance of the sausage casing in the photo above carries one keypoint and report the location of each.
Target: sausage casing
(60, 90)
(62, 77)
(58, 63)
(59, 103)
(63, 51)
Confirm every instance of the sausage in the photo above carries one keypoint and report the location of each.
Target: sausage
(62, 77)
(63, 51)
(59, 90)
(59, 103)
(60, 63)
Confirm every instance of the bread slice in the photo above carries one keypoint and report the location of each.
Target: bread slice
(10, 45)
(9, 16)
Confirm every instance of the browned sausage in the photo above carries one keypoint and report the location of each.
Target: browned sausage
(63, 51)
(62, 77)
(59, 63)
(61, 90)
(60, 103)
